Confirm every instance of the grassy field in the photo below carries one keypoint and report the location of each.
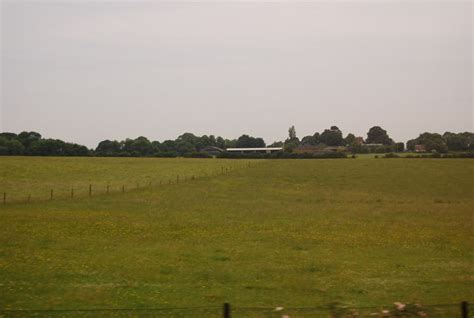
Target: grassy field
(291, 233)
(22, 177)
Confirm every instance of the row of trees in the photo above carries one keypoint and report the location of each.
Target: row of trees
(377, 140)
(188, 144)
(32, 144)
(443, 143)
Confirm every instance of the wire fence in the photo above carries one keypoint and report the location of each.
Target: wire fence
(340, 311)
(330, 311)
(94, 190)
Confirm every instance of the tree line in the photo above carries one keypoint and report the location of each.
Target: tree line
(190, 145)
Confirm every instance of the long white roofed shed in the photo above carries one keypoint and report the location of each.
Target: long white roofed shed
(261, 149)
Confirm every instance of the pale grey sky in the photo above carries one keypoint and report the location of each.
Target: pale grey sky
(85, 71)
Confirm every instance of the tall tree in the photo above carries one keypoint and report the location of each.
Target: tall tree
(332, 137)
(377, 135)
(246, 141)
(292, 133)
(350, 139)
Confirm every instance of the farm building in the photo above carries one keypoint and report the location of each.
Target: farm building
(420, 148)
(255, 150)
(212, 150)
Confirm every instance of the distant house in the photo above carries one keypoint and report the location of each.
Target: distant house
(254, 150)
(211, 150)
(359, 141)
(420, 148)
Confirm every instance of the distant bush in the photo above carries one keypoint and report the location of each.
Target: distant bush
(436, 155)
(166, 154)
(463, 155)
(391, 155)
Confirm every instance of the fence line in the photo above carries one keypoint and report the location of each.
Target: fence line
(53, 193)
(227, 311)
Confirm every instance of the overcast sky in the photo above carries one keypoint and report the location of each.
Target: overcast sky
(87, 71)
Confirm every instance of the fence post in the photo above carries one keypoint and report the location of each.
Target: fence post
(51, 197)
(464, 309)
(108, 186)
(72, 193)
(90, 190)
(226, 310)
(4, 197)
(123, 189)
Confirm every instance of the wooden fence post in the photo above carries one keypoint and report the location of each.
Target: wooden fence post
(464, 309)
(4, 197)
(123, 189)
(108, 186)
(51, 197)
(226, 310)
(72, 193)
(90, 190)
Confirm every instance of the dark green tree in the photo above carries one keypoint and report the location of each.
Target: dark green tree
(377, 135)
(332, 137)
(431, 141)
(308, 140)
(108, 148)
(220, 142)
(350, 139)
(246, 141)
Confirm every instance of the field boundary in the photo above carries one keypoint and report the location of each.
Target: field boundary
(226, 311)
(122, 188)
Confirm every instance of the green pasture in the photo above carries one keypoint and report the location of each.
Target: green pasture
(290, 233)
(23, 178)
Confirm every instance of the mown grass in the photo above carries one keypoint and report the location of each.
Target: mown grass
(289, 233)
(33, 178)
